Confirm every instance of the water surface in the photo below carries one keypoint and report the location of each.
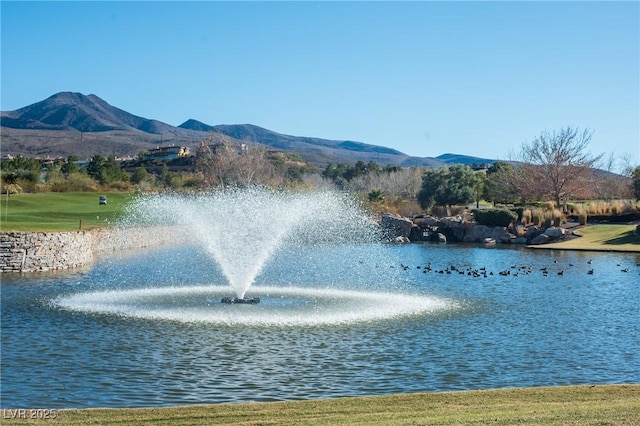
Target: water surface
(521, 328)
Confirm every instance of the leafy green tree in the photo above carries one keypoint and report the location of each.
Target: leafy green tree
(460, 186)
(359, 169)
(456, 184)
(21, 168)
(500, 184)
(433, 180)
(373, 167)
(105, 169)
(140, 174)
(334, 171)
(70, 166)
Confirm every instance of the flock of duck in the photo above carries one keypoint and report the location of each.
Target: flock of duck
(514, 270)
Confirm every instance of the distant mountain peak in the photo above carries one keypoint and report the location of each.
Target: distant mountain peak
(199, 126)
(463, 159)
(73, 110)
(51, 127)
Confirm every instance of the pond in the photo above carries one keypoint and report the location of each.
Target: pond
(147, 329)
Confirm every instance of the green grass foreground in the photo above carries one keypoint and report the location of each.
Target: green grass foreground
(59, 211)
(567, 405)
(601, 238)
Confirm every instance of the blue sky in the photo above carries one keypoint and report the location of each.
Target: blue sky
(426, 78)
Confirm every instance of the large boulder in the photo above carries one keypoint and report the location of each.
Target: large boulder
(454, 227)
(532, 232)
(476, 234)
(482, 233)
(554, 232)
(397, 226)
(501, 234)
(541, 239)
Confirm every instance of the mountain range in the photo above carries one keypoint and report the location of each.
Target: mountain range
(69, 123)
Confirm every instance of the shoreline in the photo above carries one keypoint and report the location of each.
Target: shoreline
(29, 252)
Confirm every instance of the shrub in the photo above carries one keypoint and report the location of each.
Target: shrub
(527, 216)
(117, 186)
(536, 216)
(75, 181)
(582, 219)
(376, 196)
(495, 217)
(557, 217)
(616, 207)
(12, 188)
(628, 207)
(26, 185)
(552, 218)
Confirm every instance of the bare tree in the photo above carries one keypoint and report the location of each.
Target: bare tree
(556, 164)
(214, 159)
(224, 162)
(608, 183)
(252, 166)
(403, 183)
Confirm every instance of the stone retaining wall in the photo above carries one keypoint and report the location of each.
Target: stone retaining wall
(45, 251)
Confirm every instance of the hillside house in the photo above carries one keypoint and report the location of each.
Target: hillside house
(166, 153)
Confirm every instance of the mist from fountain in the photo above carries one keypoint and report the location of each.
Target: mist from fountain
(243, 229)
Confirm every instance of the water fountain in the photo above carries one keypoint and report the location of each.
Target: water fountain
(242, 231)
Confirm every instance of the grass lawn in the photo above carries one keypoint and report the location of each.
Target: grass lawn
(601, 238)
(567, 405)
(56, 211)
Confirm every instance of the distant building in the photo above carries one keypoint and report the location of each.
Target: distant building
(165, 153)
